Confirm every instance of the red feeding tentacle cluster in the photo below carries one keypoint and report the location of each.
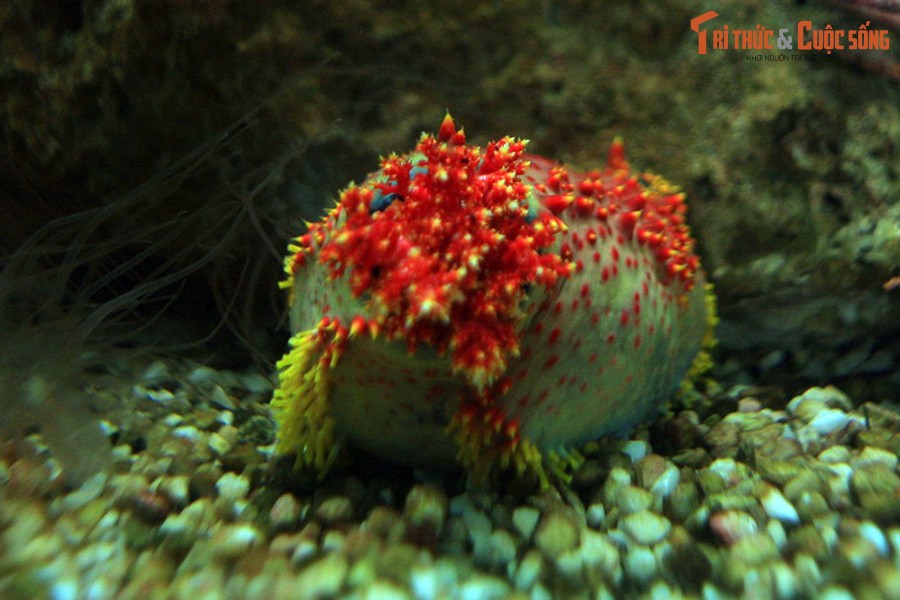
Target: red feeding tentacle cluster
(442, 244)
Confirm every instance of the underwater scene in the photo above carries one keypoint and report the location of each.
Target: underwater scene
(429, 300)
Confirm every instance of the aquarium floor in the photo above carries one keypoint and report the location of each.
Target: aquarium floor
(745, 496)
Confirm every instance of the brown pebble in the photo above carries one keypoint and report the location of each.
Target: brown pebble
(425, 512)
(337, 509)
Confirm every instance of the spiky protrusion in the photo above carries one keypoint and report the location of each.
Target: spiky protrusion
(513, 307)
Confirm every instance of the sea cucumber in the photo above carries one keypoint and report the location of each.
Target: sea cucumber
(489, 307)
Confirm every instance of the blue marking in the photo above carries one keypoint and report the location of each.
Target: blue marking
(417, 171)
(381, 201)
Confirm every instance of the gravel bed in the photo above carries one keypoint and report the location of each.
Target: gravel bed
(747, 497)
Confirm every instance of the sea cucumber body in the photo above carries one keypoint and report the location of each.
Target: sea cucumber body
(487, 306)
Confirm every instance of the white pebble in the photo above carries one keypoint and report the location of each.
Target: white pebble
(636, 449)
(873, 534)
(187, 432)
(779, 507)
(599, 553)
(640, 564)
(666, 482)
(539, 592)
(784, 579)
(525, 519)
(232, 487)
(829, 420)
(233, 540)
(528, 571)
(596, 514)
(894, 535)
(776, 531)
(424, 582)
(835, 592)
(724, 468)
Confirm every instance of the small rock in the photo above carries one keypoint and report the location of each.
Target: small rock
(323, 578)
(631, 499)
(337, 509)
(525, 519)
(384, 590)
(483, 587)
(835, 455)
(873, 534)
(231, 541)
(221, 399)
(829, 420)
(285, 513)
(640, 564)
(595, 515)
(646, 527)
(732, 525)
(649, 469)
(636, 449)
(502, 548)
(754, 549)
(778, 507)
(218, 444)
(557, 533)
(425, 510)
(176, 488)
(871, 455)
(232, 487)
(528, 571)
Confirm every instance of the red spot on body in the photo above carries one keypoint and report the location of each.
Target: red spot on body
(583, 388)
(595, 318)
(596, 257)
(637, 341)
(558, 308)
(585, 290)
(611, 338)
(551, 362)
(604, 274)
(593, 358)
(615, 252)
(624, 318)
(554, 335)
